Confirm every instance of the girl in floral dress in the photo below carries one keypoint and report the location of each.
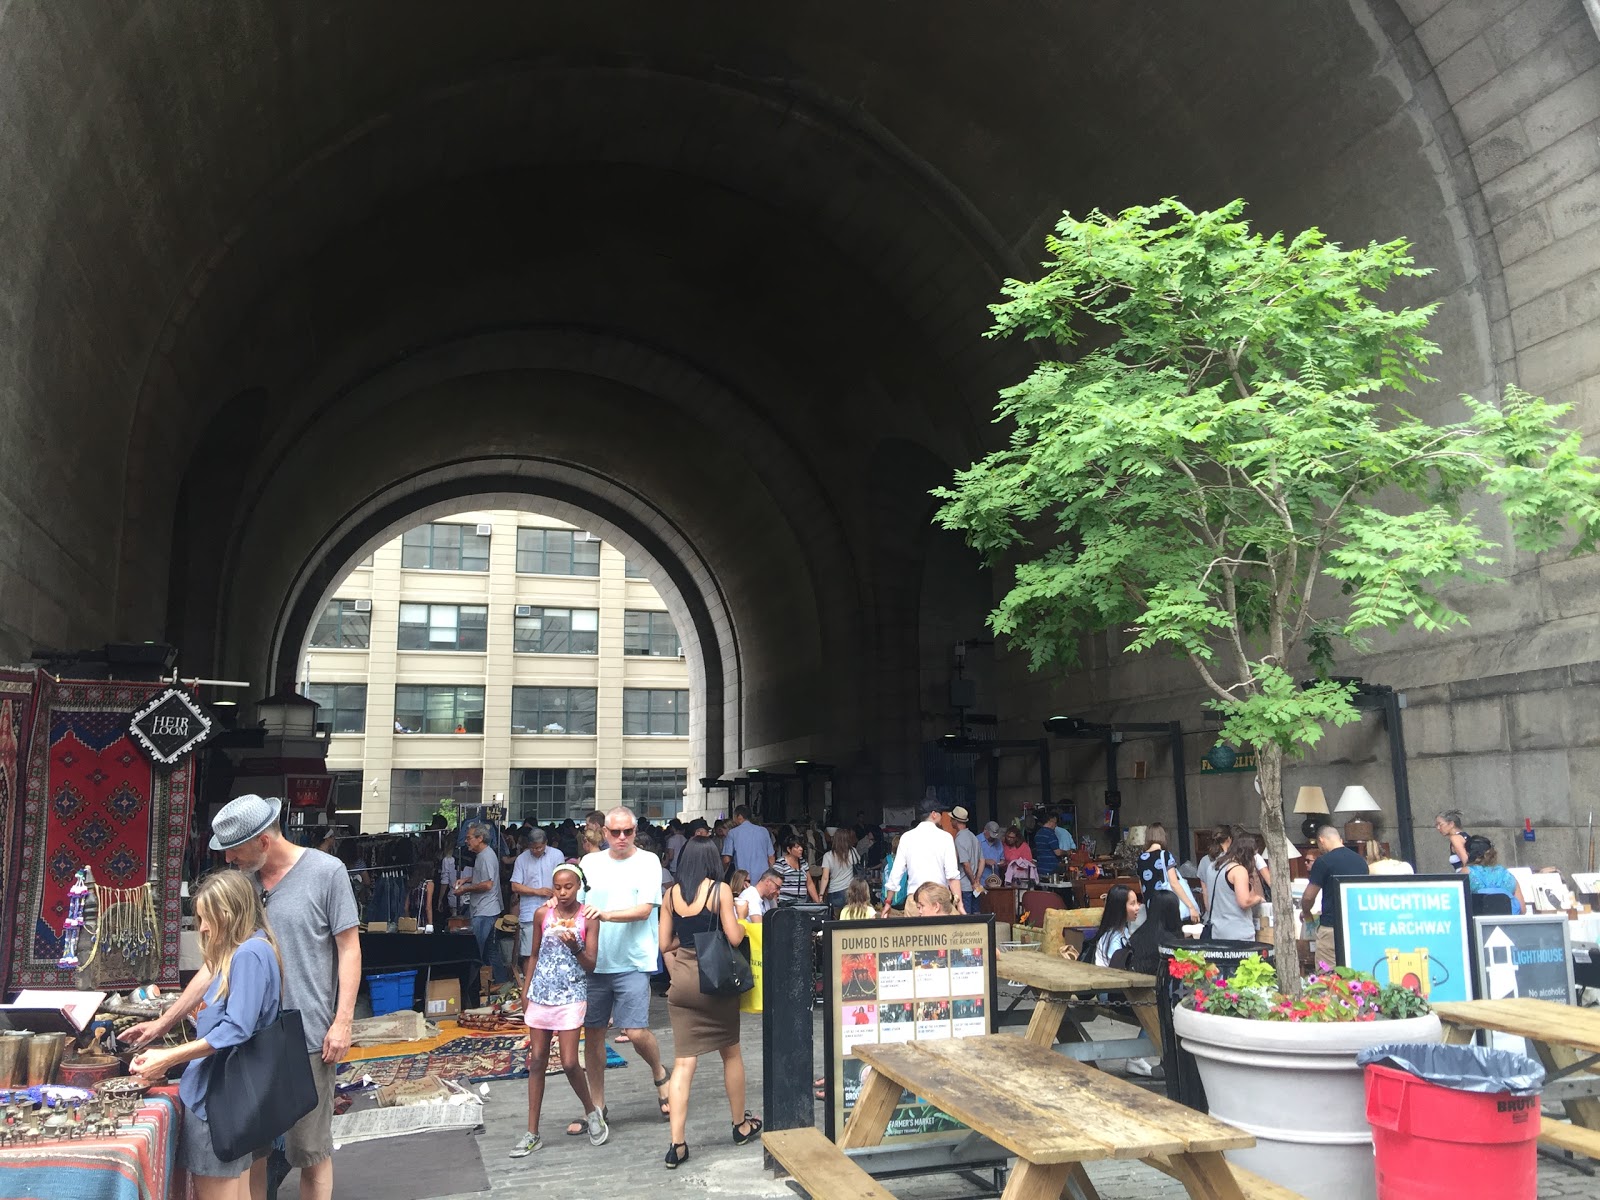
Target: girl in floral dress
(557, 994)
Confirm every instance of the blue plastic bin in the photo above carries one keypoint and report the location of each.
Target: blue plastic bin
(392, 992)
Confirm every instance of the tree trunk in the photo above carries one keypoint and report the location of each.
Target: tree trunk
(1269, 772)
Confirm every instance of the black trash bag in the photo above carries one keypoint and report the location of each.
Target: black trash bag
(1183, 1076)
(1462, 1068)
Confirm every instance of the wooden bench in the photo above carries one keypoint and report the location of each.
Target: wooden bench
(1563, 1136)
(824, 1170)
(1254, 1186)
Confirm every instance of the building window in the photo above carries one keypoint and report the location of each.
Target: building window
(633, 570)
(444, 627)
(552, 710)
(661, 712)
(558, 631)
(547, 795)
(415, 795)
(347, 801)
(651, 633)
(341, 706)
(437, 708)
(341, 627)
(440, 547)
(654, 793)
(557, 552)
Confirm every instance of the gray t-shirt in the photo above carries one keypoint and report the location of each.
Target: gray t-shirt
(310, 905)
(485, 904)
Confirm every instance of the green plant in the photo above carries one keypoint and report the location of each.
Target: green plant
(1224, 472)
(450, 809)
(1332, 994)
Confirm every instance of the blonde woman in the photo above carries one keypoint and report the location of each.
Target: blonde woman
(241, 956)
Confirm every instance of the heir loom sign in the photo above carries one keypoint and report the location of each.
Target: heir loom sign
(1414, 930)
(170, 726)
(907, 980)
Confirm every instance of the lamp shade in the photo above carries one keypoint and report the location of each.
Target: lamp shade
(1356, 798)
(1310, 800)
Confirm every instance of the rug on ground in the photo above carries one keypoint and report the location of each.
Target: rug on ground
(93, 798)
(475, 1059)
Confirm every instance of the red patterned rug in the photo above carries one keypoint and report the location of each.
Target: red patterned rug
(93, 798)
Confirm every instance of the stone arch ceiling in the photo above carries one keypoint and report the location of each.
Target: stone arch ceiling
(220, 225)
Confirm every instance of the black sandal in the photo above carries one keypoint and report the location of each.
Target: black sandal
(581, 1125)
(674, 1159)
(665, 1104)
(739, 1139)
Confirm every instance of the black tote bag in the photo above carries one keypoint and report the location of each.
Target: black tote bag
(723, 970)
(260, 1088)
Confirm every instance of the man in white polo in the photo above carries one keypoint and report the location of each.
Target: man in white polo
(532, 880)
(927, 854)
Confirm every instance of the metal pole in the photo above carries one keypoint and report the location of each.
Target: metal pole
(994, 786)
(1044, 775)
(1392, 704)
(786, 1026)
(1180, 787)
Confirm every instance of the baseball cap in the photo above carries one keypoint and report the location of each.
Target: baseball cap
(992, 829)
(243, 818)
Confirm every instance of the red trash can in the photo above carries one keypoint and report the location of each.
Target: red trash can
(1429, 1139)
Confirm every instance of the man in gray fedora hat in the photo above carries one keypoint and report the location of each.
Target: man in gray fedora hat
(312, 912)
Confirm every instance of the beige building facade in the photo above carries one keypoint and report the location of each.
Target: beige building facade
(499, 656)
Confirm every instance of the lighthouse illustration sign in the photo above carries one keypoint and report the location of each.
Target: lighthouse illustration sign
(1528, 957)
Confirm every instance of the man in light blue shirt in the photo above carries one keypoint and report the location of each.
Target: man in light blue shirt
(623, 905)
(747, 846)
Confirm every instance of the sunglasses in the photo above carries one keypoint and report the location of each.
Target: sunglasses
(626, 831)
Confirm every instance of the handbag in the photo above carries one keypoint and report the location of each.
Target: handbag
(265, 1086)
(723, 970)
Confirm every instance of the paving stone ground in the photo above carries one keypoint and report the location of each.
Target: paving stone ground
(629, 1166)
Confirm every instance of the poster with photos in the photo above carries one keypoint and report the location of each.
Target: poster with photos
(903, 980)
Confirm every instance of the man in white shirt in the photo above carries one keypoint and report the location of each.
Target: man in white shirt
(759, 898)
(624, 901)
(531, 882)
(927, 854)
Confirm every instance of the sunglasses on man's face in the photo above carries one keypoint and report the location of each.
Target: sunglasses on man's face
(625, 831)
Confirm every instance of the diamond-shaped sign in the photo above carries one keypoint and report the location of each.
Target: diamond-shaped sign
(170, 726)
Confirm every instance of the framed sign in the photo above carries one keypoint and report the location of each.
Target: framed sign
(1414, 930)
(905, 980)
(1528, 956)
(170, 726)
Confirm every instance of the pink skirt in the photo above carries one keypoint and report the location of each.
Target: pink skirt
(556, 1017)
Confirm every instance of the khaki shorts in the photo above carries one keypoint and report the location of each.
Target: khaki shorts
(1324, 946)
(311, 1139)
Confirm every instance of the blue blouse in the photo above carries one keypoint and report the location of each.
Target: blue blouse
(1493, 879)
(254, 986)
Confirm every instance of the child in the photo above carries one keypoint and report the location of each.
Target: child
(857, 902)
(557, 994)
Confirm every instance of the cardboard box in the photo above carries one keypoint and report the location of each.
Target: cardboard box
(444, 999)
(406, 925)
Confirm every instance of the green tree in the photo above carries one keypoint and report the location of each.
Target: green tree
(1224, 471)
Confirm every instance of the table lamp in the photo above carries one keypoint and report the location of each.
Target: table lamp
(1356, 799)
(1311, 801)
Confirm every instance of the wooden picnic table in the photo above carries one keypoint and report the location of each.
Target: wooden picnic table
(1566, 1040)
(1053, 1113)
(1059, 985)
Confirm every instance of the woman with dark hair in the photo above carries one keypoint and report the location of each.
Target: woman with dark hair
(1452, 827)
(1158, 869)
(797, 886)
(699, 903)
(1162, 926)
(1117, 923)
(1237, 892)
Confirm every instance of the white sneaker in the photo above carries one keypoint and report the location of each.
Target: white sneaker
(599, 1131)
(1144, 1066)
(526, 1145)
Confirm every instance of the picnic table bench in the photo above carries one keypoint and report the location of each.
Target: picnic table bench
(1053, 1113)
(1566, 1039)
(1060, 986)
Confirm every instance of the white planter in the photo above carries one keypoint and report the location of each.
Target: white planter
(1297, 1088)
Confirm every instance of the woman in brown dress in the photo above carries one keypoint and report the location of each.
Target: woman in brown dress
(700, 903)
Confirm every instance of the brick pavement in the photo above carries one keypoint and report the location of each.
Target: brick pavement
(629, 1166)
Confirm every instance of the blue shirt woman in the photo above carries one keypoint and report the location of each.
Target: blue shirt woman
(254, 989)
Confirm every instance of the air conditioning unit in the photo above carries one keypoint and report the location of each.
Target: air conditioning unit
(363, 605)
(524, 610)
(484, 529)
(585, 536)
(682, 657)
